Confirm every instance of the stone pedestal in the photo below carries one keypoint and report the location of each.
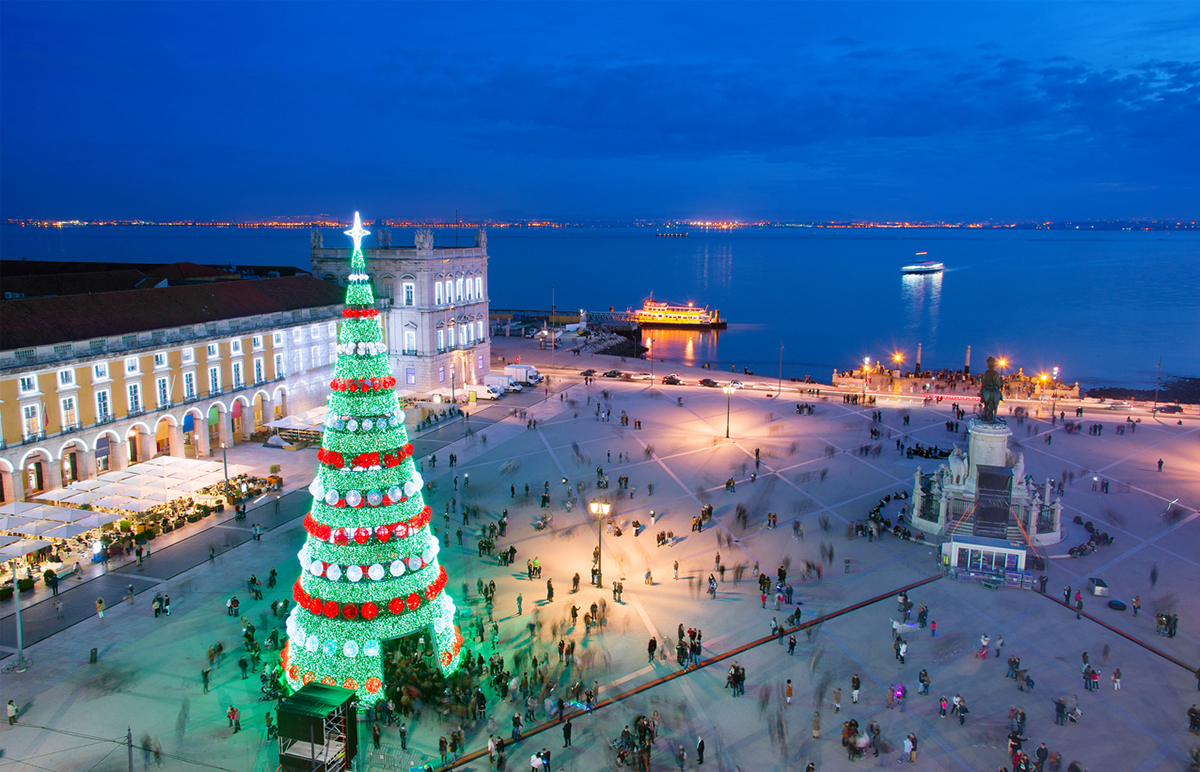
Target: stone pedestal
(988, 446)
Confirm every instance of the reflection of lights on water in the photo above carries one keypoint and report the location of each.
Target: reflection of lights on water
(686, 346)
(922, 295)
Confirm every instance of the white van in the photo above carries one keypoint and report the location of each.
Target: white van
(501, 382)
(482, 391)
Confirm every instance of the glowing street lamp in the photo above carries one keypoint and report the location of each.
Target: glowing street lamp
(600, 508)
(728, 397)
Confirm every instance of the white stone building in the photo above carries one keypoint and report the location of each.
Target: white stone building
(434, 304)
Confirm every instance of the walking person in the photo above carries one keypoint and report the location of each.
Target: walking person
(567, 734)
(100, 607)
(816, 724)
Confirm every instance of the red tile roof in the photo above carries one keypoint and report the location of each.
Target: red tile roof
(43, 321)
(190, 272)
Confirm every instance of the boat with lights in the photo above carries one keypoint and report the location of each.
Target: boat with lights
(655, 313)
(928, 266)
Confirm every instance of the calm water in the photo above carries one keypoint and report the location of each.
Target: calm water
(1102, 306)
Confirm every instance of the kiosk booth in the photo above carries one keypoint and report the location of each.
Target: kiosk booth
(318, 730)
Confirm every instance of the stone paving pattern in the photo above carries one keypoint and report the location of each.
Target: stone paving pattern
(148, 674)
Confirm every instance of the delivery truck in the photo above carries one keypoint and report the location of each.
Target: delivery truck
(526, 374)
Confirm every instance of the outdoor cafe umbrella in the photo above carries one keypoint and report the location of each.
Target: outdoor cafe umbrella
(65, 531)
(35, 527)
(96, 519)
(17, 507)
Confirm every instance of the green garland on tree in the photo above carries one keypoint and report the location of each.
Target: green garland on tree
(369, 565)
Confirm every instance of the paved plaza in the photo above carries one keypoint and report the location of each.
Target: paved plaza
(148, 674)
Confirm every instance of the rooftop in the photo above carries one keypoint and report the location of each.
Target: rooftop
(33, 322)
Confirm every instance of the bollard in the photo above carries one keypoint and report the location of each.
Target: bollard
(92, 657)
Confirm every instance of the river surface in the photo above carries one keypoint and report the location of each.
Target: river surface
(1102, 306)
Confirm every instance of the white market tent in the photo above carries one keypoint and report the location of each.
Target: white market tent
(310, 421)
(160, 480)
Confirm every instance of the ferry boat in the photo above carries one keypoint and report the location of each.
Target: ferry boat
(671, 234)
(654, 313)
(927, 267)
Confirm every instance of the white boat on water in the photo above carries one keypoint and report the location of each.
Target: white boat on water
(926, 267)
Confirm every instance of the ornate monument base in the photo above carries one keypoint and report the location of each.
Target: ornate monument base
(988, 445)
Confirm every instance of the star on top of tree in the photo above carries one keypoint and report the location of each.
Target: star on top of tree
(357, 232)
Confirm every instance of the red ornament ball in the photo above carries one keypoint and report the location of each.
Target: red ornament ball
(350, 683)
(328, 681)
(350, 611)
(331, 608)
(396, 606)
(414, 600)
(308, 677)
(446, 659)
(374, 685)
(369, 611)
(362, 535)
(384, 532)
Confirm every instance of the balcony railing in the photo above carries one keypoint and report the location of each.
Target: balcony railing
(105, 419)
(409, 352)
(31, 438)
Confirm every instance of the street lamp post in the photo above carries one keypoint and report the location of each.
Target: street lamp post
(728, 398)
(866, 370)
(21, 664)
(1054, 394)
(600, 508)
(650, 351)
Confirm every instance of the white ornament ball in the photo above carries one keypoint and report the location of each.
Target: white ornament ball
(371, 649)
(352, 424)
(316, 568)
(368, 424)
(350, 648)
(311, 643)
(353, 498)
(375, 572)
(334, 572)
(354, 573)
(397, 568)
(331, 498)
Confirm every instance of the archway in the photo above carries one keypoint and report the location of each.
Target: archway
(8, 483)
(168, 436)
(140, 442)
(195, 434)
(241, 419)
(263, 411)
(40, 472)
(77, 462)
(280, 398)
(110, 455)
(219, 427)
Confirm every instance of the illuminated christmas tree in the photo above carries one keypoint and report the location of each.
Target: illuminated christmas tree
(369, 565)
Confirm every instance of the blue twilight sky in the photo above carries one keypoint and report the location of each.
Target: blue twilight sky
(798, 111)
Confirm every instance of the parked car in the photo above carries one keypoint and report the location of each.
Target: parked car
(1169, 409)
(613, 374)
(709, 382)
(588, 372)
(672, 380)
(1120, 404)
(736, 385)
(640, 376)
